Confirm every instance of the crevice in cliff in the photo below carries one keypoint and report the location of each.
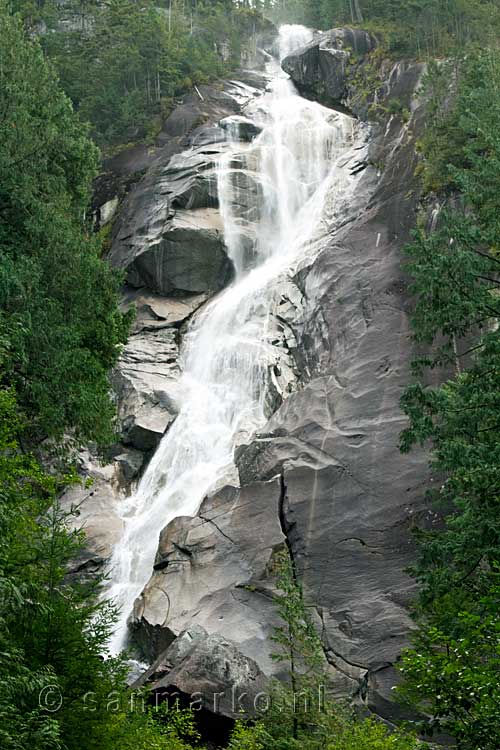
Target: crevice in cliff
(327, 648)
(222, 533)
(286, 527)
(373, 550)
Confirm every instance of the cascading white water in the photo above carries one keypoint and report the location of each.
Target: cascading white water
(300, 157)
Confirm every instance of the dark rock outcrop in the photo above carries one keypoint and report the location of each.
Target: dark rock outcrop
(170, 238)
(240, 128)
(207, 674)
(180, 253)
(321, 68)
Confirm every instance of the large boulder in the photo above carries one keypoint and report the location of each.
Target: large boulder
(321, 67)
(240, 128)
(208, 673)
(152, 194)
(215, 570)
(145, 381)
(172, 251)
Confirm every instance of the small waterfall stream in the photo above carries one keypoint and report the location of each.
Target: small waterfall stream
(297, 169)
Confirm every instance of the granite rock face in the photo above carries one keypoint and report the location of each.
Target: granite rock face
(347, 498)
(325, 475)
(171, 238)
(144, 382)
(167, 237)
(215, 570)
(351, 499)
(321, 68)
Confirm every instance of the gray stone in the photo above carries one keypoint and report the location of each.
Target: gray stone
(215, 675)
(321, 67)
(240, 128)
(145, 380)
(174, 654)
(173, 251)
(151, 311)
(130, 462)
(94, 506)
(326, 470)
(168, 234)
(214, 570)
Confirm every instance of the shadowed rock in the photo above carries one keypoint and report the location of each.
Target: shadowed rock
(241, 128)
(210, 674)
(321, 67)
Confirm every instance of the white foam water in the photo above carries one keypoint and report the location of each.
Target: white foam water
(300, 158)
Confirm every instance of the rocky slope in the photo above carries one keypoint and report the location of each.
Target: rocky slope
(325, 474)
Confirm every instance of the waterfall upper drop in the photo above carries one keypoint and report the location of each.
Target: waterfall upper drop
(277, 194)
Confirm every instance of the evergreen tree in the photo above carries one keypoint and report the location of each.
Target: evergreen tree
(453, 669)
(301, 716)
(452, 673)
(299, 646)
(59, 318)
(58, 686)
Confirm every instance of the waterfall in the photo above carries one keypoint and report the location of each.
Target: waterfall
(272, 195)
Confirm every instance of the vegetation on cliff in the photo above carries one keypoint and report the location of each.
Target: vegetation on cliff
(122, 63)
(301, 715)
(453, 671)
(60, 329)
(417, 27)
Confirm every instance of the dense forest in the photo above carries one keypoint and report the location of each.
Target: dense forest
(415, 27)
(84, 75)
(121, 63)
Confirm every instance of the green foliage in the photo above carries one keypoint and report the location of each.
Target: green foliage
(58, 686)
(59, 320)
(416, 27)
(23, 724)
(297, 640)
(247, 737)
(335, 728)
(120, 61)
(299, 648)
(453, 670)
(455, 677)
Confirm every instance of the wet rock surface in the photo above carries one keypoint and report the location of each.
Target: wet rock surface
(322, 69)
(349, 499)
(325, 473)
(216, 570)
